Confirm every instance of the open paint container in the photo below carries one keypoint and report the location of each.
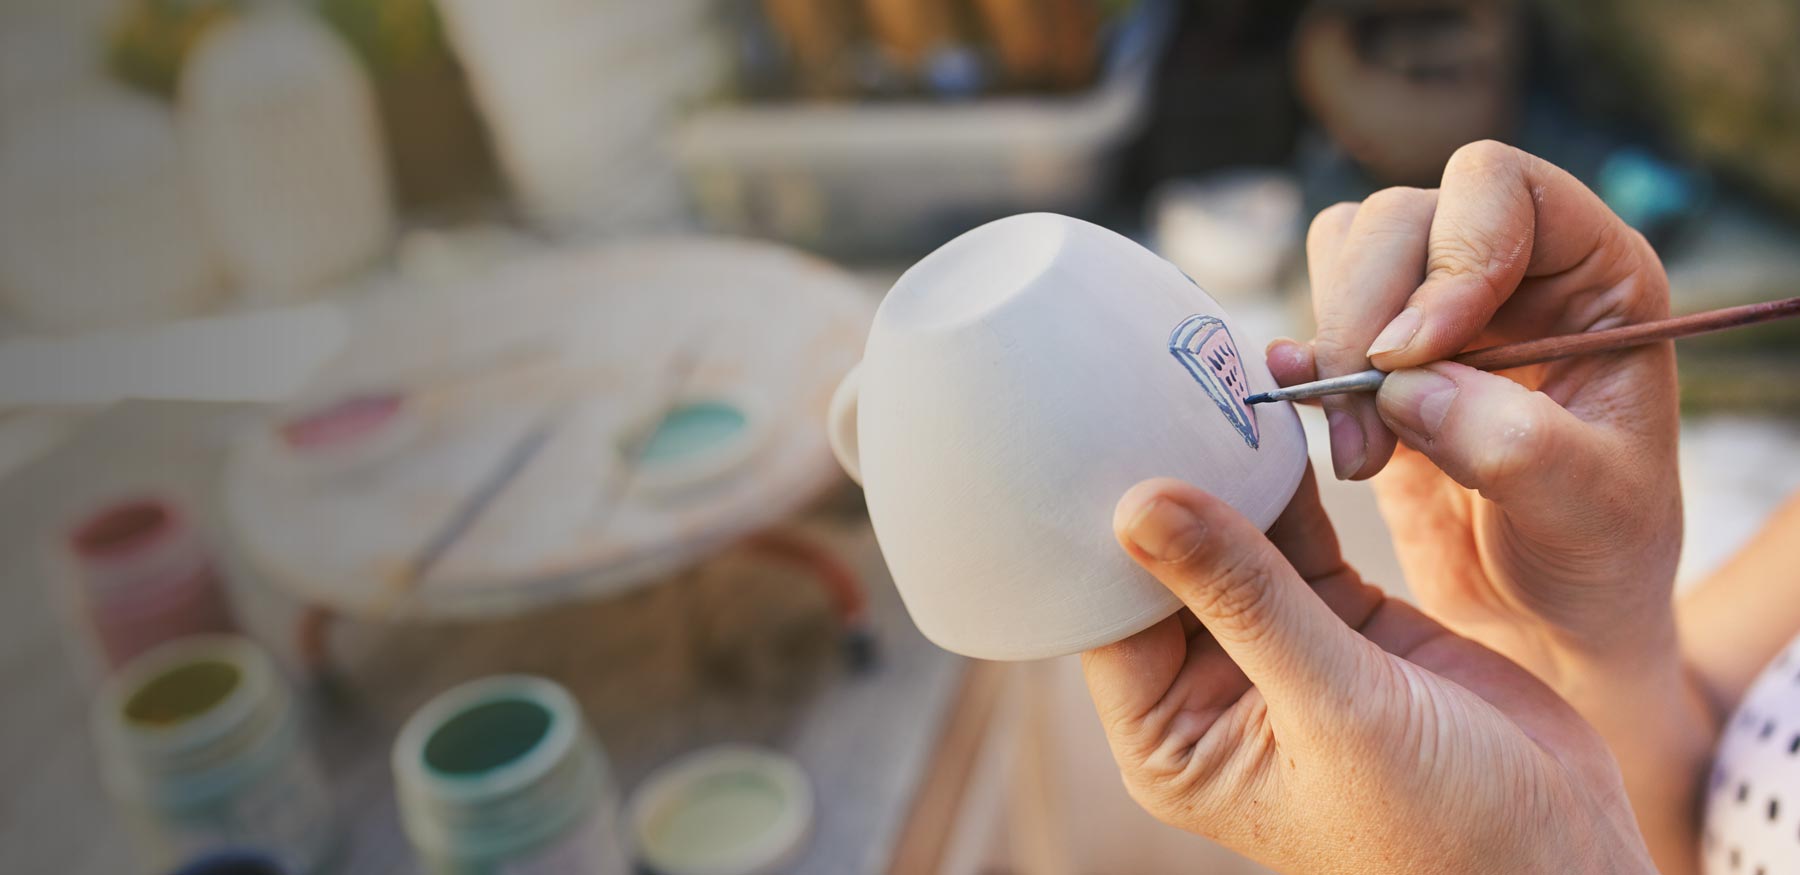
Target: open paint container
(697, 442)
(727, 810)
(232, 862)
(502, 772)
(200, 745)
(144, 576)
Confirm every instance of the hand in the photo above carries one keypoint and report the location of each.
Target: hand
(1537, 512)
(1299, 716)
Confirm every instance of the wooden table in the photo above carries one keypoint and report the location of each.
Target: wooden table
(740, 650)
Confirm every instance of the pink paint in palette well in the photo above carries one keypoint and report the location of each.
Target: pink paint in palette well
(340, 423)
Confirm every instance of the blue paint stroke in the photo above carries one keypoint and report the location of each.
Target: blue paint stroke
(1219, 371)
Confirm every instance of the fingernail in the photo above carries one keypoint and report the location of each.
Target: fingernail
(1166, 530)
(1419, 399)
(1398, 333)
(1348, 447)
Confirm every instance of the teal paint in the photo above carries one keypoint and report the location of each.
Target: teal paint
(486, 737)
(694, 428)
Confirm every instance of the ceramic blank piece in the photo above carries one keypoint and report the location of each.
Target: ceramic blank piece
(1016, 382)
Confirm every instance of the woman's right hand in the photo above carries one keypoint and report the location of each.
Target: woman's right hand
(1537, 512)
(1299, 716)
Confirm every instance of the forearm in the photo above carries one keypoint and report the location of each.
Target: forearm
(1735, 622)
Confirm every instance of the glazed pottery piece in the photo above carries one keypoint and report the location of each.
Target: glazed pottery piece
(1016, 382)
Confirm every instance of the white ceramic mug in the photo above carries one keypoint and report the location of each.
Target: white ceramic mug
(1016, 382)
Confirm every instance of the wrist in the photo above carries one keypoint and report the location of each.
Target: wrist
(1662, 729)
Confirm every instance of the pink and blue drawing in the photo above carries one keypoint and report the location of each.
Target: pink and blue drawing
(1203, 345)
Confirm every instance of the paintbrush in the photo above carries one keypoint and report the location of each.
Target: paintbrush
(1531, 352)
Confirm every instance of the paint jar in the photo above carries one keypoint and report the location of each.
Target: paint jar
(143, 576)
(726, 810)
(232, 862)
(502, 775)
(200, 745)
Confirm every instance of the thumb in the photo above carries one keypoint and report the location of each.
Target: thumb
(1286, 640)
(1521, 450)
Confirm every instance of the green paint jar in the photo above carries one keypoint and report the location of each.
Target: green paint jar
(200, 745)
(502, 775)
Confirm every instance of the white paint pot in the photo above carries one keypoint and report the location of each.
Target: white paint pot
(502, 775)
(1016, 382)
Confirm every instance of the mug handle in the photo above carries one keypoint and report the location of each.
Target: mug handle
(840, 423)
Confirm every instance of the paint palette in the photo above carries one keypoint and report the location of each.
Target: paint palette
(659, 399)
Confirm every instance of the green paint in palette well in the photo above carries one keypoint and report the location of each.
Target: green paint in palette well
(691, 429)
(486, 736)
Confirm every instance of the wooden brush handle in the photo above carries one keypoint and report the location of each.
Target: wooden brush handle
(1531, 352)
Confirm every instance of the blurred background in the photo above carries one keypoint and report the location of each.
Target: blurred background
(411, 411)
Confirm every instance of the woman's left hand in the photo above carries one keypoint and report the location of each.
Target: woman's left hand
(1301, 717)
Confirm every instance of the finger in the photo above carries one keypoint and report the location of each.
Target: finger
(1304, 534)
(1262, 614)
(1325, 239)
(1290, 362)
(1135, 683)
(1503, 216)
(1128, 679)
(1382, 262)
(1553, 474)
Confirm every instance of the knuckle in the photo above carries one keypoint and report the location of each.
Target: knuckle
(1236, 597)
(1399, 199)
(1519, 442)
(1331, 221)
(1462, 252)
(1475, 254)
(1336, 346)
(1483, 158)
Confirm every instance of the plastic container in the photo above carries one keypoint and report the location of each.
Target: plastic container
(501, 775)
(100, 225)
(1239, 229)
(200, 745)
(287, 148)
(142, 577)
(901, 177)
(579, 95)
(726, 810)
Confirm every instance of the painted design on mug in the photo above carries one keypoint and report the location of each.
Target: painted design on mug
(1203, 345)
